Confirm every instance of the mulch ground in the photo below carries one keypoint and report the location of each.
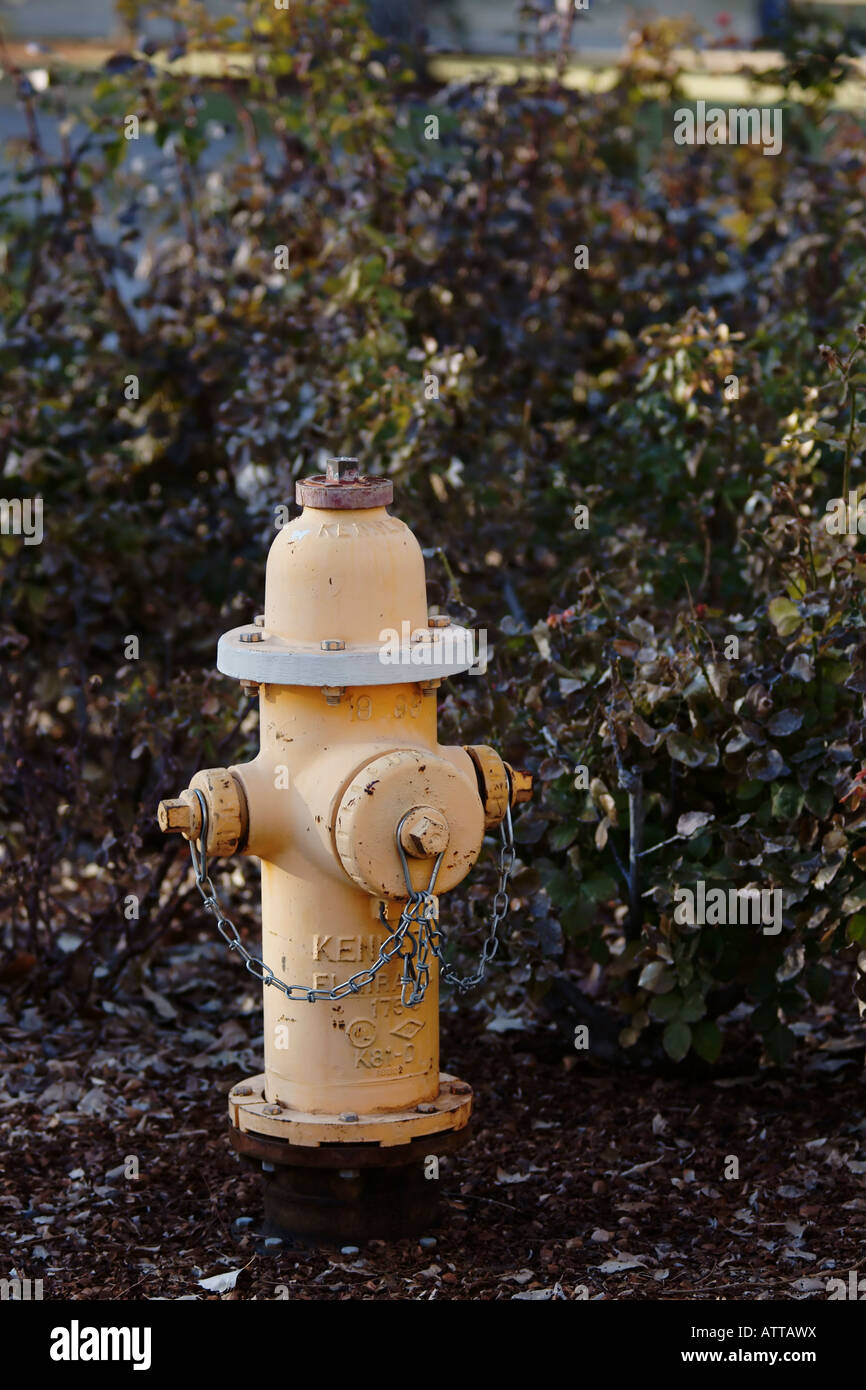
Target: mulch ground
(577, 1184)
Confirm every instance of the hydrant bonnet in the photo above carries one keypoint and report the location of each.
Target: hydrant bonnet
(345, 599)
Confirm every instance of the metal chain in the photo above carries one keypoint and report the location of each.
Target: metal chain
(500, 911)
(420, 910)
(419, 913)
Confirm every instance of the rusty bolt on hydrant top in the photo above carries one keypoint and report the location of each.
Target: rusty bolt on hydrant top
(357, 815)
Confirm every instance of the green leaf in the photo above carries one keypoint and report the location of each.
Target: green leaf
(835, 671)
(819, 800)
(600, 887)
(664, 1007)
(561, 887)
(677, 1039)
(657, 977)
(779, 1043)
(707, 1040)
(694, 1007)
(786, 800)
(747, 791)
(856, 928)
(784, 615)
(561, 836)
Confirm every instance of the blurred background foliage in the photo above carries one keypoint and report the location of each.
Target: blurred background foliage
(674, 388)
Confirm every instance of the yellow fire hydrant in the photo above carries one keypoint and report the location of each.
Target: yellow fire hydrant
(360, 818)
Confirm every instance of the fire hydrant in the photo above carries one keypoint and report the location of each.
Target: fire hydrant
(360, 819)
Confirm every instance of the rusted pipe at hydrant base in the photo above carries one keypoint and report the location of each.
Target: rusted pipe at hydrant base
(348, 753)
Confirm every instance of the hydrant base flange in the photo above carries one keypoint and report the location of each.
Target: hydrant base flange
(248, 1112)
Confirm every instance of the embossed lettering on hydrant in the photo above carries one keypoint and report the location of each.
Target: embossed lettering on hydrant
(345, 948)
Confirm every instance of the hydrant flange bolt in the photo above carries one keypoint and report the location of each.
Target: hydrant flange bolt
(425, 832)
(426, 1109)
(256, 636)
(349, 1117)
(333, 644)
(439, 620)
(259, 620)
(242, 1091)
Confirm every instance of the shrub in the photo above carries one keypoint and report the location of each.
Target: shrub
(285, 266)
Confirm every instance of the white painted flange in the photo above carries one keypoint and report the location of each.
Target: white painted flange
(273, 660)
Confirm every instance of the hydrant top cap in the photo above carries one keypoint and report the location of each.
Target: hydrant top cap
(343, 488)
